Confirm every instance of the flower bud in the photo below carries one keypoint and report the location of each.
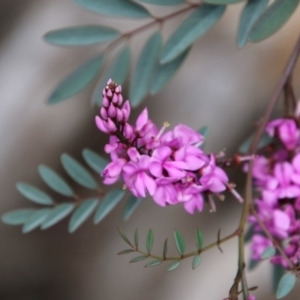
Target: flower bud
(105, 102)
(111, 126)
(119, 115)
(128, 131)
(111, 111)
(103, 112)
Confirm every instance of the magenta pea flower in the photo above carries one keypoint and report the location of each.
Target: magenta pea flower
(135, 174)
(165, 192)
(113, 170)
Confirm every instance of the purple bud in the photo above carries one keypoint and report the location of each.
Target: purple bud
(145, 129)
(109, 93)
(102, 125)
(105, 102)
(119, 115)
(127, 131)
(109, 81)
(120, 100)
(126, 110)
(111, 126)
(103, 113)
(115, 99)
(118, 89)
(111, 111)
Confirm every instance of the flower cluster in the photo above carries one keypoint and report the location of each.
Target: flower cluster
(170, 166)
(277, 177)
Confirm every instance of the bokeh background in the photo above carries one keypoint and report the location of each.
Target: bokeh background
(219, 85)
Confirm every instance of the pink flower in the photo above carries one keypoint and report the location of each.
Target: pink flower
(258, 246)
(161, 164)
(113, 170)
(135, 174)
(165, 192)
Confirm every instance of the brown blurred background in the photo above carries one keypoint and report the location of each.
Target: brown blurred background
(219, 85)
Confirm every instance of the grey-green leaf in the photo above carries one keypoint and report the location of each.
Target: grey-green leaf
(175, 264)
(164, 2)
(125, 251)
(225, 2)
(124, 237)
(136, 238)
(81, 214)
(162, 74)
(286, 284)
(194, 26)
(149, 240)
(165, 251)
(141, 76)
(277, 272)
(179, 241)
(153, 263)
(199, 239)
(77, 80)
(17, 217)
(251, 12)
(268, 253)
(81, 35)
(35, 220)
(57, 214)
(54, 181)
(34, 194)
(118, 8)
(275, 16)
(94, 160)
(131, 205)
(77, 172)
(110, 201)
(264, 141)
(138, 258)
(253, 264)
(117, 72)
(196, 261)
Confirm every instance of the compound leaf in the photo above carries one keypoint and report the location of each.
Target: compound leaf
(138, 258)
(34, 194)
(175, 264)
(286, 284)
(18, 216)
(94, 160)
(77, 80)
(196, 261)
(131, 205)
(77, 172)
(81, 35)
(179, 241)
(35, 219)
(153, 263)
(199, 239)
(110, 201)
(83, 211)
(149, 240)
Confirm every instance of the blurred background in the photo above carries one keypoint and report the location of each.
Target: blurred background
(219, 85)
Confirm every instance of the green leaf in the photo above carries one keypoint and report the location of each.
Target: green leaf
(163, 73)
(165, 251)
(196, 261)
(136, 238)
(164, 2)
(81, 35)
(194, 26)
(17, 217)
(268, 253)
(286, 284)
(253, 264)
(110, 201)
(126, 251)
(141, 76)
(94, 160)
(124, 237)
(57, 214)
(277, 272)
(118, 8)
(179, 241)
(153, 263)
(139, 258)
(130, 207)
(264, 141)
(275, 16)
(225, 2)
(204, 131)
(54, 181)
(251, 12)
(175, 264)
(81, 214)
(36, 219)
(117, 72)
(199, 239)
(149, 240)
(77, 80)
(34, 194)
(77, 172)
